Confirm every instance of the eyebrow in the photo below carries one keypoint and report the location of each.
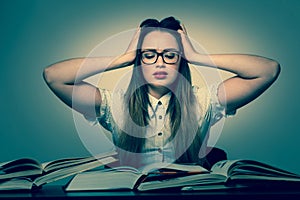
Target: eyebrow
(168, 49)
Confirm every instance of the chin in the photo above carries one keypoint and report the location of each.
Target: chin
(158, 85)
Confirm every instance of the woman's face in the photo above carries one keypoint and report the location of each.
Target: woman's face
(160, 59)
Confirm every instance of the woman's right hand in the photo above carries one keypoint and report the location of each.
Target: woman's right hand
(129, 55)
(132, 47)
(66, 78)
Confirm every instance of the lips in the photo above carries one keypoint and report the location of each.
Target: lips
(160, 74)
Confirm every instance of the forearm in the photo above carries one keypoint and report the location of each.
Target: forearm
(253, 74)
(244, 66)
(75, 70)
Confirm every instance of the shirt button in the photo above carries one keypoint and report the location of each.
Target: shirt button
(159, 150)
(159, 117)
(159, 103)
(159, 134)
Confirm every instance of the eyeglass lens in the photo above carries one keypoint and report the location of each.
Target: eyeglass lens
(169, 57)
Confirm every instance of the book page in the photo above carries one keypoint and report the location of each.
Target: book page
(19, 162)
(173, 167)
(20, 167)
(250, 169)
(21, 183)
(68, 171)
(189, 180)
(123, 169)
(69, 162)
(223, 167)
(103, 180)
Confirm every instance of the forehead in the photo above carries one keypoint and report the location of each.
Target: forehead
(159, 40)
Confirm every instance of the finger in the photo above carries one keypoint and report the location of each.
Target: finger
(134, 40)
(137, 33)
(183, 28)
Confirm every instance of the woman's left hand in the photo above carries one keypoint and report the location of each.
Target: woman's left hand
(189, 52)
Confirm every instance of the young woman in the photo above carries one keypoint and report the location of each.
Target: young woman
(161, 117)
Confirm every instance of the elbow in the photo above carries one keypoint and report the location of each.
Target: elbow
(48, 75)
(273, 71)
(275, 66)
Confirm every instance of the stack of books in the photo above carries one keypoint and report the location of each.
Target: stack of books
(226, 174)
(29, 174)
(89, 174)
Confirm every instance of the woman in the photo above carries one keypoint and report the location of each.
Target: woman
(161, 117)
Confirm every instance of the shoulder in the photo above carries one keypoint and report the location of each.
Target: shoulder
(207, 97)
(108, 96)
(203, 96)
(111, 109)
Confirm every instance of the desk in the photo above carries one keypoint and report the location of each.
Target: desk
(56, 192)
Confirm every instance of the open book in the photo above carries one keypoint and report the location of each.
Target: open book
(28, 173)
(129, 178)
(227, 173)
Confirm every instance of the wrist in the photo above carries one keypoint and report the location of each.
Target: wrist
(124, 60)
(196, 58)
(128, 58)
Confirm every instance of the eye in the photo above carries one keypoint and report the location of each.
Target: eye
(170, 55)
(148, 55)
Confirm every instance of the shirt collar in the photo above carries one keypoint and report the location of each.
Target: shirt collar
(164, 100)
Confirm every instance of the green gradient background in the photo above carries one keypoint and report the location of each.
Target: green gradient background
(35, 34)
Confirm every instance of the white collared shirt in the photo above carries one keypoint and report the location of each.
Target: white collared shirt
(157, 147)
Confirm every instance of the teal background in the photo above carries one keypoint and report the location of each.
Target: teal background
(35, 34)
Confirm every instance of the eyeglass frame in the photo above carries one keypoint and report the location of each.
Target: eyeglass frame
(178, 53)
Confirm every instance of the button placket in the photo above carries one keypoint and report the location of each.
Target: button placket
(160, 124)
(160, 112)
(158, 132)
(159, 138)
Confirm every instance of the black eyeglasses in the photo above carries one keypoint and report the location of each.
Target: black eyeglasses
(169, 56)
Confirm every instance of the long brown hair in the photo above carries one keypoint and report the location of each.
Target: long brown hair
(186, 134)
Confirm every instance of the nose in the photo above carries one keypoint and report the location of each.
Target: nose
(160, 62)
